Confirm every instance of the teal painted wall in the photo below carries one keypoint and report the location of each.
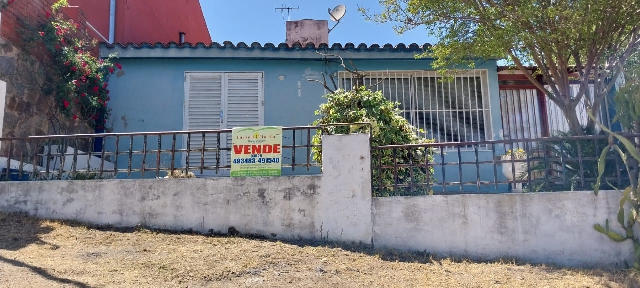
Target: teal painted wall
(150, 97)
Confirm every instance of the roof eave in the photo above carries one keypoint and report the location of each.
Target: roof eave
(258, 51)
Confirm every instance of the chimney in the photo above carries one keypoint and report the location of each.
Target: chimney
(307, 31)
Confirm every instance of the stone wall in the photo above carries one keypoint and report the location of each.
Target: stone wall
(28, 111)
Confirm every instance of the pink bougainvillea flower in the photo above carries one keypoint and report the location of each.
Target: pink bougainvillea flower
(67, 63)
(96, 89)
(119, 66)
(76, 100)
(104, 85)
(107, 92)
(111, 70)
(74, 69)
(48, 14)
(83, 94)
(75, 117)
(41, 33)
(84, 64)
(65, 103)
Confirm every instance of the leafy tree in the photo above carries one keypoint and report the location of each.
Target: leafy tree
(566, 40)
(388, 127)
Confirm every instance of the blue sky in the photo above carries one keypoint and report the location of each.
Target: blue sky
(258, 21)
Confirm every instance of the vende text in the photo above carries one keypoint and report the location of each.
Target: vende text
(256, 149)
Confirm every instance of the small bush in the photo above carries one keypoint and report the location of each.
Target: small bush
(388, 127)
(89, 176)
(179, 174)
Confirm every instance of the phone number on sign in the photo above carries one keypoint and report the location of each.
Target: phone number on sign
(256, 160)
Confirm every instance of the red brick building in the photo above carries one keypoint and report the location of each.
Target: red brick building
(146, 20)
(118, 20)
(24, 109)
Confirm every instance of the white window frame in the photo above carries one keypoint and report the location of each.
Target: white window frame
(415, 74)
(224, 111)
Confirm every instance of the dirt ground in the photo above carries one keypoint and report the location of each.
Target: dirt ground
(41, 253)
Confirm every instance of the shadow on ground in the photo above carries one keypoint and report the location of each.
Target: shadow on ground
(20, 230)
(42, 272)
(24, 230)
(17, 231)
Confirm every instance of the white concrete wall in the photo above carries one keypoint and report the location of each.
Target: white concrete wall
(552, 228)
(287, 207)
(345, 204)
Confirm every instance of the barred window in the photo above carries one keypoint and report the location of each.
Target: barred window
(448, 110)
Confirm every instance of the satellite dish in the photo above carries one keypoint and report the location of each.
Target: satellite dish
(337, 13)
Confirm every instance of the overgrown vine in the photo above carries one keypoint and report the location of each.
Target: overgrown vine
(77, 80)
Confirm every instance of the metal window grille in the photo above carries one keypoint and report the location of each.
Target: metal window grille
(447, 110)
(520, 110)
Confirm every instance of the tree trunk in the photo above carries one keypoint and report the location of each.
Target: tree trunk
(572, 119)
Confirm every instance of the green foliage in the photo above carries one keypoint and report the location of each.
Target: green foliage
(77, 80)
(60, 4)
(630, 202)
(387, 128)
(627, 102)
(564, 160)
(593, 35)
(627, 99)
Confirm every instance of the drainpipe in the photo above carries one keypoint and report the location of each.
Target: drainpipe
(112, 21)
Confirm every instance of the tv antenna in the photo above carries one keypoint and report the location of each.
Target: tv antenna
(337, 14)
(288, 10)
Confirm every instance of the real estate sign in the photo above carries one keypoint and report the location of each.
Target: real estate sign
(256, 151)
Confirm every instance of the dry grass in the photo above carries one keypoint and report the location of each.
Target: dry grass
(39, 253)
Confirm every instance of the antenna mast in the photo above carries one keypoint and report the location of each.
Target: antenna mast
(288, 10)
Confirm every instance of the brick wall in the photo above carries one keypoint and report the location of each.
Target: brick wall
(34, 12)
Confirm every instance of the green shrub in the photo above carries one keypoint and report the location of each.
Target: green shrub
(563, 162)
(388, 127)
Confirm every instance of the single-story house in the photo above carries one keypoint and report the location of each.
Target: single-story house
(175, 87)
(251, 85)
